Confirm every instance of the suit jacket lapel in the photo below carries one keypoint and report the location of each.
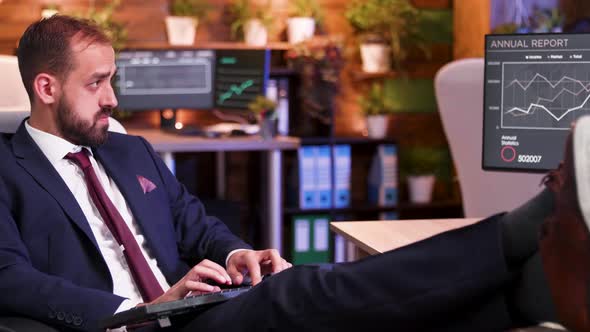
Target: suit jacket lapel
(32, 159)
(124, 176)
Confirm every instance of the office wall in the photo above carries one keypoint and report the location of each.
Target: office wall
(144, 20)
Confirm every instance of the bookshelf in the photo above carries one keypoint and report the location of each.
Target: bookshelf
(360, 208)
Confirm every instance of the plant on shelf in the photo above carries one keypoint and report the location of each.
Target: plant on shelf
(376, 106)
(266, 115)
(189, 8)
(421, 166)
(49, 10)
(104, 19)
(318, 62)
(250, 22)
(387, 30)
(307, 8)
(184, 17)
(304, 16)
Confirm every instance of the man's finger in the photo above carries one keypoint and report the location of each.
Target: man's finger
(253, 268)
(202, 273)
(276, 260)
(199, 286)
(218, 268)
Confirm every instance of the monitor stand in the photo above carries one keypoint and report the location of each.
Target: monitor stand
(168, 125)
(168, 119)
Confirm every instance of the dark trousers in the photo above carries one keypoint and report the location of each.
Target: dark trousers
(451, 282)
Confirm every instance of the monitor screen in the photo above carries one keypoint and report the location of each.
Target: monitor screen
(240, 76)
(161, 79)
(535, 86)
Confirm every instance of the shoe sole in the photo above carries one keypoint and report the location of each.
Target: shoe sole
(581, 151)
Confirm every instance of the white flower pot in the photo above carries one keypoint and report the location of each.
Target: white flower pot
(300, 29)
(420, 188)
(375, 58)
(377, 126)
(255, 33)
(47, 13)
(181, 30)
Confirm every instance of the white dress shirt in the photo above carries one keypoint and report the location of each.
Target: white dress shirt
(55, 149)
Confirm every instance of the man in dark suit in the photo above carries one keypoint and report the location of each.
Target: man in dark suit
(93, 223)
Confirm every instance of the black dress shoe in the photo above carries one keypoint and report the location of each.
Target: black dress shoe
(565, 240)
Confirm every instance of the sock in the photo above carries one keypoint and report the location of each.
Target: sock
(521, 226)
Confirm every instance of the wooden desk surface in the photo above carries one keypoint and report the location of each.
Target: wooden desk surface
(376, 237)
(165, 142)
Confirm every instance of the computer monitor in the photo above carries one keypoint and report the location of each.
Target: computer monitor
(165, 79)
(190, 78)
(535, 87)
(240, 76)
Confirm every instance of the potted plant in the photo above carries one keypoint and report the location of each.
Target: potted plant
(303, 17)
(420, 166)
(49, 10)
(250, 22)
(266, 115)
(376, 106)
(104, 19)
(184, 17)
(386, 29)
(318, 63)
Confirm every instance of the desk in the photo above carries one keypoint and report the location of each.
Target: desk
(373, 237)
(167, 144)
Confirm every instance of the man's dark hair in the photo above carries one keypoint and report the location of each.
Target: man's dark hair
(46, 47)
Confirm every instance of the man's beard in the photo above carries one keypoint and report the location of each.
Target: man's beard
(78, 131)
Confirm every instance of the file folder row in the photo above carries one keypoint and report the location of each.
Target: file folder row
(311, 239)
(383, 179)
(315, 176)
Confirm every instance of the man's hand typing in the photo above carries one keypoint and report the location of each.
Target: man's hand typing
(256, 263)
(196, 281)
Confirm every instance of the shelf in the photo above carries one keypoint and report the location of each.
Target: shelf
(413, 70)
(344, 140)
(357, 209)
(278, 71)
(278, 46)
(406, 206)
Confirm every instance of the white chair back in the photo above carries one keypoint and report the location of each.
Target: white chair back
(13, 96)
(459, 95)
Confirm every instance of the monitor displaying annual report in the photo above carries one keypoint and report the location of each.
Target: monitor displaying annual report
(535, 87)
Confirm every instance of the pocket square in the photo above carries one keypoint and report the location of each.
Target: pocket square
(146, 185)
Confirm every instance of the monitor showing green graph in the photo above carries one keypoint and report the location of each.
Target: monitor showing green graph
(240, 76)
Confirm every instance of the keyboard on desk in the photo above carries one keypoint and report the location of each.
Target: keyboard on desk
(193, 304)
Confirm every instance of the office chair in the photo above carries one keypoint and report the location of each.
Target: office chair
(13, 96)
(459, 95)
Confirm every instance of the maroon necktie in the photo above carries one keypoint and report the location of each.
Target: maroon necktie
(142, 274)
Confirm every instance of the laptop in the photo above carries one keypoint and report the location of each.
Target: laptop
(162, 312)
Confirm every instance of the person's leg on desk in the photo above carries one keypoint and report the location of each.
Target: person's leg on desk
(427, 286)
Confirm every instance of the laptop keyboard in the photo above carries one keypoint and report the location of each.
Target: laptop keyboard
(162, 311)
